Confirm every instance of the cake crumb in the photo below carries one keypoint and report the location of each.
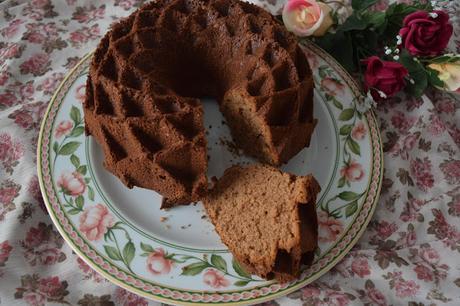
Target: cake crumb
(163, 219)
(203, 217)
(231, 147)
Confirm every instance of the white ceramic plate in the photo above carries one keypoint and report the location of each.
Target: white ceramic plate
(175, 256)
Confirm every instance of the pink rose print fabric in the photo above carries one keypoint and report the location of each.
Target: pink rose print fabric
(408, 254)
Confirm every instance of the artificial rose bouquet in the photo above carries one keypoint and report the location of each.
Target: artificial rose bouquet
(400, 48)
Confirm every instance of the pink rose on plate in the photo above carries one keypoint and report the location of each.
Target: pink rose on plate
(94, 221)
(332, 86)
(360, 267)
(80, 93)
(376, 296)
(63, 128)
(430, 255)
(353, 171)
(34, 298)
(329, 228)
(72, 183)
(158, 264)
(424, 273)
(406, 288)
(359, 131)
(215, 279)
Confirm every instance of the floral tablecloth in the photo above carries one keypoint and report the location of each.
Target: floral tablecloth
(410, 253)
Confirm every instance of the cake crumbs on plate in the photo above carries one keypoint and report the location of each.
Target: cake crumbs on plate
(231, 147)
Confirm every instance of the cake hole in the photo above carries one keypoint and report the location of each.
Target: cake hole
(109, 68)
(182, 6)
(254, 87)
(147, 140)
(301, 62)
(120, 30)
(102, 103)
(167, 105)
(221, 7)
(144, 61)
(248, 8)
(231, 28)
(114, 150)
(270, 57)
(201, 21)
(306, 108)
(89, 100)
(168, 21)
(283, 262)
(146, 38)
(281, 110)
(125, 47)
(283, 77)
(186, 125)
(130, 79)
(128, 106)
(280, 38)
(253, 26)
(146, 19)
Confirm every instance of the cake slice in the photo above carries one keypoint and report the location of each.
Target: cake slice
(267, 218)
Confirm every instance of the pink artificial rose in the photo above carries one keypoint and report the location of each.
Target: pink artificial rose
(360, 267)
(359, 131)
(329, 228)
(406, 288)
(215, 279)
(63, 128)
(353, 172)
(94, 221)
(383, 78)
(424, 273)
(430, 255)
(332, 86)
(158, 264)
(34, 299)
(426, 34)
(72, 183)
(302, 17)
(80, 93)
(376, 296)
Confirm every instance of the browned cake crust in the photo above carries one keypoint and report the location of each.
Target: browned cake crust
(148, 71)
(267, 219)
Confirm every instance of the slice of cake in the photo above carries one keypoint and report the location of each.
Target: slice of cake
(267, 218)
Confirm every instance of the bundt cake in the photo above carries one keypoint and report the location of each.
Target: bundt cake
(149, 70)
(267, 219)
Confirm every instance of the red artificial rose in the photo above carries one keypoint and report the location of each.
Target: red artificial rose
(383, 77)
(426, 34)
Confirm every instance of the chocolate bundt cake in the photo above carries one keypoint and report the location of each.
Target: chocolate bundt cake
(150, 69)
(267, 219)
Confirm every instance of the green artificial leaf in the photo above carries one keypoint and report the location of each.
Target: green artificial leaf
(349, 195)
(353, 23)
(90, 193)
(219, 262)
(55, 147)
(112, 252)
(69, 148)
(194, 268)
(75, 115)
(346, 129)
(351, 209)
(353, 146)
(239, 270)
(80, 201)
(77, 131)
(362, 4)
(128, 252)
(346, 114)
(146, 248)
(241, 283)
(444, 59)
(73, 211)
(75, 160)
(376, 19)
(344, 55)
(416, 72)
(82, 169)
(433, 77)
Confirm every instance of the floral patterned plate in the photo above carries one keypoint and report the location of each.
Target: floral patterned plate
(175, 256)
